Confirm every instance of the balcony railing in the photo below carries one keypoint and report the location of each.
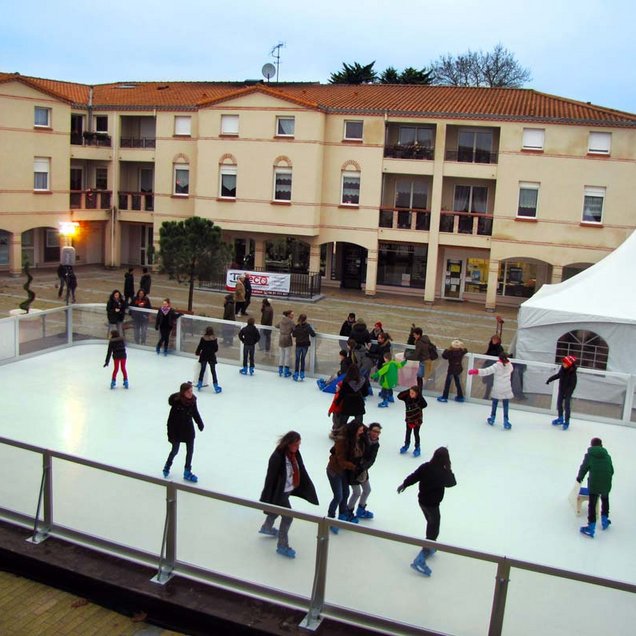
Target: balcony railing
(405, 219)
(90, 199)
(137, 201)
(465, 223)
(90, 139)
(138, 142)
(411, 151)
(470, 155)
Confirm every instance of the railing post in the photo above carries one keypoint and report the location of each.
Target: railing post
(629, 399)
(69, 325)
(45, 501)
(313, 619)
(499, 598)
(177, 336)
(168, 557)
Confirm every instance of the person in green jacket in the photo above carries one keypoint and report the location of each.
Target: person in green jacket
(598, 463)
(388, 376)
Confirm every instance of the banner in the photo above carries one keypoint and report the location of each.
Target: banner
(263, 283)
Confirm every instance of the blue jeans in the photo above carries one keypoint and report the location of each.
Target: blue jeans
(340, 488)
(175, 450)
(493, 410)
(301, 352)
(458, 384)
(248, 351)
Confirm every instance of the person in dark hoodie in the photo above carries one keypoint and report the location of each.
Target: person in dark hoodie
(249, 336)
(433, 477)
(129, 286)
(303, 333)
(116, 312)
(352, 393)
(117, 348)
(360, 333)
(454, 354)
(183, 410)
(286, 477)
(598, 463)
(345, 330)
(166, 320)
(208, 346)
(566, 376)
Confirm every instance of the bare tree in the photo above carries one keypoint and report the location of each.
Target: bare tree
(497, 69)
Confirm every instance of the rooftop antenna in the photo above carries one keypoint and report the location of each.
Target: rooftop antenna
(275, 53)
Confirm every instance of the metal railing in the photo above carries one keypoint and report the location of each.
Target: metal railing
(136, 201)
(137, 142)
(471, 155)
(466, 223)
(90, 199)
(405, 219)
(409, 151)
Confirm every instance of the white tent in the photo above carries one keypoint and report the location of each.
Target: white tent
(601, 299)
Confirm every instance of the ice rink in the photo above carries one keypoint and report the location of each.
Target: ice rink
(511, 497)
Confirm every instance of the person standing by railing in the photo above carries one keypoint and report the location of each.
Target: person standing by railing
(303, 332)
(267, 320)
(116, 312)
(285, 328)
(140, 318)
(166, 320)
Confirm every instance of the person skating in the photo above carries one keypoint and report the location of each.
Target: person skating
(117, 348)
(303, 334)
(433, 477)
(387, 374)
(166, 320)
(360, 482)
(414, 404)
(285, 328)
(206, 350)
(286, 477)
(424, 354)
(501, 372)
(352, 392)
(598, 463)
(140, 318)
(329, 384)
(183, 410)
(566, 375)
(454, 354)
(249, 336)
(494, 349)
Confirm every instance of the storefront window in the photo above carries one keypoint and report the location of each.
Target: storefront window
(517, 278)
(476, 275)
(4, 247)
(402, 264)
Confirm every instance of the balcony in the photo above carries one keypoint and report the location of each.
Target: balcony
(465, 223)
(410, 151)
(138, 142)
(470, 155)
(405, 219)
(137, 201)
(90, 199)
(91, 139)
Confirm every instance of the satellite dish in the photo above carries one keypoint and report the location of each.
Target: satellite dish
(268, 70)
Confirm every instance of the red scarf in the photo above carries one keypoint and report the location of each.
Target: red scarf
(294, 462)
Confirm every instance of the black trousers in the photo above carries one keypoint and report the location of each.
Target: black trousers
(433, 518)
(591, 507)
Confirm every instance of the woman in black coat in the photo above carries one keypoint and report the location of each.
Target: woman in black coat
(208, 346)
(116, 312)
(181, 428)
(166, 320)
(354, 388)
(286, 477)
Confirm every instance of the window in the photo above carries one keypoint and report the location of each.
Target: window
(517, 278)
(227, 186)
(593, 205)
(415, 135)
(42, 117)
(350, 188)
(528, 198)
(101, 178)
(353, 129)
(229, 124)
(285, 126)
(183, 125)
(182, 179)
(41, 167)
(410, 193)
(590, 350)
(599, 143)
(533, 138)
(402, 264)
(475, 146)
(101, 124)
(282, 184)
(471, 199)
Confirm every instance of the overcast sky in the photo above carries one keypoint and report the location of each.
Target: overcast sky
(582, 50)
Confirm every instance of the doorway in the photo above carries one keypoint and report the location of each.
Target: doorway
(453, 279)
(146, 248)
(354, 265)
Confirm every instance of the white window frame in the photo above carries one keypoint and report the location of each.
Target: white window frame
(533, 138)
(346, 132)
(280, 172)
(182, 126)
(99, 130)
(596, 192)
(230, 125)
(528, 185)
(349, 174)
(180, 167)
(281, 133)
(599, 143)
(42, 166)
(228, 171)
(42, 110)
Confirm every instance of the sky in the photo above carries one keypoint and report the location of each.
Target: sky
(581, 50)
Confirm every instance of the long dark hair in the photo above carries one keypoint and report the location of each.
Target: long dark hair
(286, 440)
(441, 457)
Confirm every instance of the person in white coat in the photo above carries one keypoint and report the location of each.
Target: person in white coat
(502, 386)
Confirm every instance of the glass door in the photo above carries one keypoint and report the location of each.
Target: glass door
(453, 279)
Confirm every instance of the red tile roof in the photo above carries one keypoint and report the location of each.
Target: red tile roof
(431, 102)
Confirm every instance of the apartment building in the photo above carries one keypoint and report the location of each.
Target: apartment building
(459, 193)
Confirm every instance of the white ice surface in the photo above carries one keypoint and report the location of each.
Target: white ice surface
(511, 497)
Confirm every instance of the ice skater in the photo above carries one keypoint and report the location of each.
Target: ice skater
(388, 376)
(501, 372)
(183, 410)
(598, 463)
(166, 320)
(566, 375)
(414, 403)
(286, 477)
(434, 477)
(360, 483)
(249, 336)
(117, 348)
(206, 350)
(303, 333)
(285, 328)
(454, 354)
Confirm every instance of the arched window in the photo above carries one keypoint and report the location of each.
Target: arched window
(590, 350)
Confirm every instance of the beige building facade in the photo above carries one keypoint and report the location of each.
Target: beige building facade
(459, 193)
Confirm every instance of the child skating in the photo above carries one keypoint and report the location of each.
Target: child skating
(388, 376)
(501, 388)
(208, 346)
(414, 403)
(249, 336)
(454, 354)
(566, 375)
(117, 348)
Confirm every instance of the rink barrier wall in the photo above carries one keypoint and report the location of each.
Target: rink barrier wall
(600, 396)
(168, 565)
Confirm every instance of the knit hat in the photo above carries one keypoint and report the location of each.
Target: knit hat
(568, 361)
(457, 344)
